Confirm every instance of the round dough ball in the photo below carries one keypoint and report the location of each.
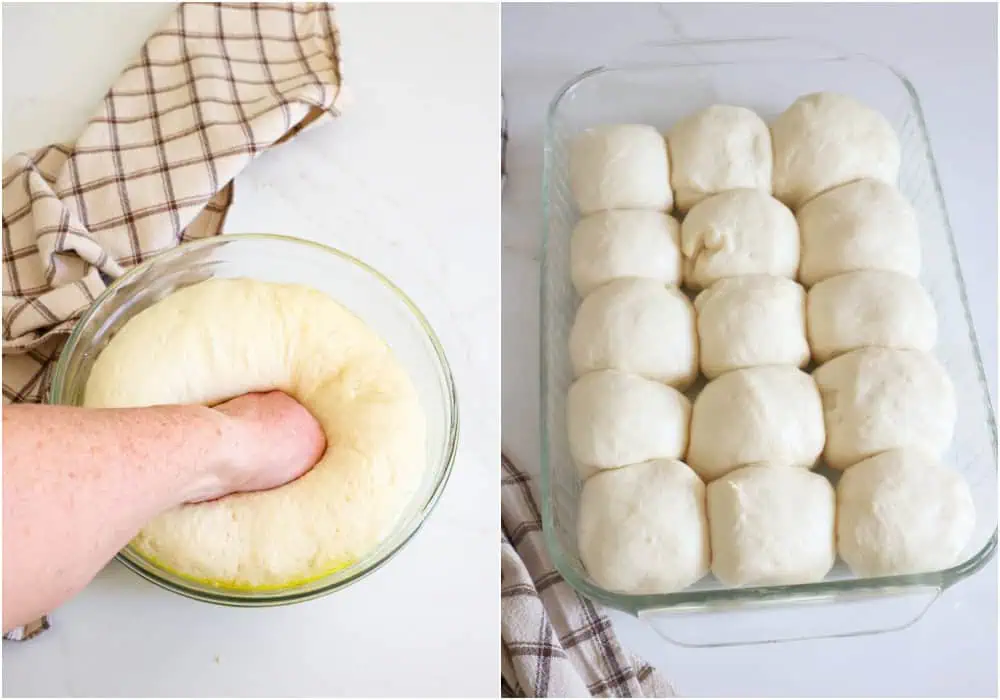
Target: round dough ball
(614, 418)
(902, 512)
(751, 321)
(222, 338)
(869, 308)
(610, 245)
(717, 149)
(642, 528)
(877, 399)
(740, 232)
(825, 140)
(771, 526)
(636, 325)
(623, 166)
(866, 225)
(760, 414)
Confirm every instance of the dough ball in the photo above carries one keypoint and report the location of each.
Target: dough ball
(623, 166)
(610, 245)
(642, 528)
(614, 418)
(825, 140)
(877, 399)
(869, 307)
(760, 414)
(771, 525)
(902, 512)
(636, 325)
(222, 338)
(717, 149)
(866, 225)
(740, 232)
(750, 321)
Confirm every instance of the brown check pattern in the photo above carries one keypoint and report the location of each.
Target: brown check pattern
(216, 86)
(154, 167)
(556, 643)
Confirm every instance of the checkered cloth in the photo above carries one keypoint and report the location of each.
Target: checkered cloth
(555, 642)
(219, 84)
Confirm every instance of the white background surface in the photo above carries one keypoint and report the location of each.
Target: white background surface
(950, 55)
(405, 180)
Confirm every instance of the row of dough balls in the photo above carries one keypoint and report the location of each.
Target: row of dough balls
(654, 527)
(863, 225)
(651, 329)
(861, 403)
(821, 141)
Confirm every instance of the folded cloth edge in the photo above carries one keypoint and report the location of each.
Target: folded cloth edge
(555, 642)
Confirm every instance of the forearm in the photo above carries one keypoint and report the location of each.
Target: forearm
(79, 484)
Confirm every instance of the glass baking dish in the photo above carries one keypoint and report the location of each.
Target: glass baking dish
(658, 84)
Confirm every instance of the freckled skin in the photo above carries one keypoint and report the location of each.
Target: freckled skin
(79, 484)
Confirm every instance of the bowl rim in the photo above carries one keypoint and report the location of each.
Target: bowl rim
(314, 589)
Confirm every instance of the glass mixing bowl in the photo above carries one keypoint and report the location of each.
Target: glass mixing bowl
(372, 297)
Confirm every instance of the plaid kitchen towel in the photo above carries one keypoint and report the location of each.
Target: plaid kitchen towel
(555, 642)
(217, 85)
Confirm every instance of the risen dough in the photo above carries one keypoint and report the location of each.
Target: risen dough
(622, 166)
(614, 418)
(750, 321)
(825, 140)
(902, 512)
(636, 325)
(871, 307)
(610, 245)
(642, 528)
(877, 399)
(761, 414)
(771, 526)
(866, 225)
(740, 232)
(218, 339)
(717, 149)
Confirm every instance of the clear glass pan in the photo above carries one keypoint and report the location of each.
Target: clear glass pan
(372, 297)
(659, 84)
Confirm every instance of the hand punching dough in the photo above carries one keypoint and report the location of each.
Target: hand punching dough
(902, 512)
(610, 245)
(825, 140)
(761, 414)
(877, 399)
(623, 166)
(740, 232)
(614, 419)
(866, 225)
(717, 149)
(642, 528)
(750, 321)
(222, 338)
(636, 325)
(869, 308)
(771, 526)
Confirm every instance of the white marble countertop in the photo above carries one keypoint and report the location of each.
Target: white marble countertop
(949, 53)
(405, 180)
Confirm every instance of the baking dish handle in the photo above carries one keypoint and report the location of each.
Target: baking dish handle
(766, 622)
(697, 52)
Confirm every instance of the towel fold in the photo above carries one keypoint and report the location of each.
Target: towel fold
(555, 642)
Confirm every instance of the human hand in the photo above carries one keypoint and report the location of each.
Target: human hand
(272, 440)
